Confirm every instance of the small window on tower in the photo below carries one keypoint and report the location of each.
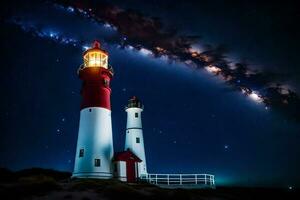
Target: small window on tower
(97, 162)
(105, 81)
(136, 115)
(137, 140)
(81, 152)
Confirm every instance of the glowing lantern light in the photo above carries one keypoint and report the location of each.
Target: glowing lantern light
(95, 57)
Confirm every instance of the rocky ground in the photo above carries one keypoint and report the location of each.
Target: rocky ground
(49, 184)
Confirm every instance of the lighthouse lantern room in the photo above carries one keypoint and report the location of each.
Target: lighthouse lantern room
(95, 57)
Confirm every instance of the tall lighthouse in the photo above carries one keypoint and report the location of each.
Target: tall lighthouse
(94, 150)
(134, 133)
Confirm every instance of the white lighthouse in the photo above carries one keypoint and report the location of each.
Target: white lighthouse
(134, 133)
(94, 151)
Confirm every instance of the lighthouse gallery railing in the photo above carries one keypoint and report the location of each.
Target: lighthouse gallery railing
(180, 179)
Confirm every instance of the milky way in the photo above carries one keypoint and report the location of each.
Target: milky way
(133, 30)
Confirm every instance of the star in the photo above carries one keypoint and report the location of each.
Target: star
(124, 89)
(70, 9)
(226, 146)
(175, 142)
(85, 47)
(63, 119)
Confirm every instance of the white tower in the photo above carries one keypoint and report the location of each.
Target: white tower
(94, 151)
(134, 133)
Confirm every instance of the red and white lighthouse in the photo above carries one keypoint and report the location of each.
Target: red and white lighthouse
(94, 151)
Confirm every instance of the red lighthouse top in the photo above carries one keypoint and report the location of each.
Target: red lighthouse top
(96, 75)
(96, 44)
(95, 56)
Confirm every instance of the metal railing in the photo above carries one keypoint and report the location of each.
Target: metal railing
(206, 180)
(110, 68)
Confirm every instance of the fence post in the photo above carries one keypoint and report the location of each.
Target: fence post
(196, 179)
(180, 179)
(156, 178)
(168, 179)
(205, 181)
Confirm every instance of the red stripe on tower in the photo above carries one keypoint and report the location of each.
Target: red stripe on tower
(96, 75)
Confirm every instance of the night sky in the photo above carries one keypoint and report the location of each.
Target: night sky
(240, 122)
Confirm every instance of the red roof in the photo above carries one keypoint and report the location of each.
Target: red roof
(96, 46)
(126, 156)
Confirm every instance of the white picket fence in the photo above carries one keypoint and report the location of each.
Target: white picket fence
(205, 180)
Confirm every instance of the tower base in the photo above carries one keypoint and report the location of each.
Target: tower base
(94, 152)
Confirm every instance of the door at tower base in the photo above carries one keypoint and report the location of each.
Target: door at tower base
(126, 166)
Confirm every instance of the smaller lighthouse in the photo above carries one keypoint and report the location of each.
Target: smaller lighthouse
(134, 133)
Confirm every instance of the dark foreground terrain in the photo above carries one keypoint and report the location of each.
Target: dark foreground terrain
(50, 184)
